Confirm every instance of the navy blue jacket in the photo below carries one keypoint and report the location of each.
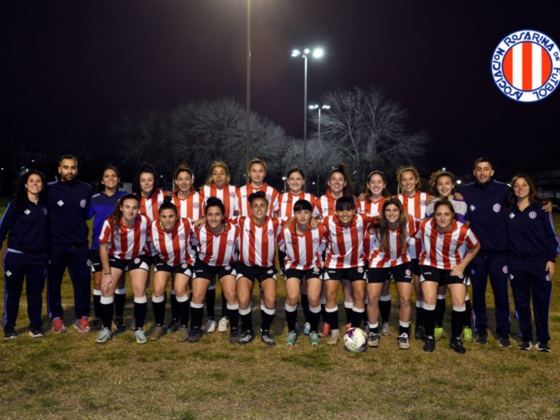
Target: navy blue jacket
(68, 202)
(531, 233)
(28, 230)
(487, 209)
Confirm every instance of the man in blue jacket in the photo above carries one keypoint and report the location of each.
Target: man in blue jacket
(68, 200)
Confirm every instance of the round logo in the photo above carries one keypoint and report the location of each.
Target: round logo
(522, 66)
(423, 203)
(315, 270)
(270, 232)
(457, 207)
(360, 270)
(195, 205)
(360, 229)
(454, 242)
(44, 210)
(230, 243)
(143, 231)
(407, 272)
(533, 214)
(232, 194)
(548, 277)
(182, 236)
(228, 267)
(315, 240)
(270, 271)
(460, 276)
(83, 203)
(137, 261)
(505, 269)
(496, 207)
(268, 197)
(184, 265)
(89, 263)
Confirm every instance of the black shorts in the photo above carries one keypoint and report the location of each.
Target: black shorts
(300, 274)
(402, 273)
(351, 274)
(95, 259)
(259, 273)
(140, 262)
(209, 272)
(441, 276)
(416, 266)
(184, 268)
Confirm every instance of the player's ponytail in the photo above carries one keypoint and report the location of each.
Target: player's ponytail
(168, 205)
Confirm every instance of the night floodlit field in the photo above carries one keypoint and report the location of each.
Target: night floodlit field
(69, 376)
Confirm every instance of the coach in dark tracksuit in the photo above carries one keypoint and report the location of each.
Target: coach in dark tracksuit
(68, 200)
(533, 248)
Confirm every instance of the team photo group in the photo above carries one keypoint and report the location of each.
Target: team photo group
(427, 243)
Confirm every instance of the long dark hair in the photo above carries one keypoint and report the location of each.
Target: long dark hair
(20, 194)
(145, 168)
(533, 197)
(100, 186)
(117, 212)
(434, 178)
(348, 190)
(384, 225)
(446, 203)
(384, 193)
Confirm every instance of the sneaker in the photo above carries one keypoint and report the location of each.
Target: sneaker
(429, 344)
(173, 327)
(58, 326)
(525, 345)
(120, 325)
(183, 335)
(366, 327)
(267, 339)
(140, 337)
(482, 337)
(326, 331)
(104, 336)
(334, 338)
(10, 333)
(348, 326)
(373, 340)
(291, 339)
(419, 333)
(195, 335)
(456, 344)
(234, 336)
(248, 336)
(223, 325)
(314, 339)
(385, 329)
(403, 341)
(503, 340)
(211, 326)
(467, 335)
(132, 325)
(306, 328)
(542, 346)
(157, 332)
(438, 333)
(82, 324)
(36, 332)
(96, 325)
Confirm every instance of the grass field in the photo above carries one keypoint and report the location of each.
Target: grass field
(69, 376)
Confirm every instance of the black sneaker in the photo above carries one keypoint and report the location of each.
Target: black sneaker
(429, 344)
(503, 340)
(195, 335)
(482, 337)
(173, 327)
(120, 325)
(525, 345)
(266, 338)
(36, 332)
(248, 336)
(234, 336)
(457, 345)
(419, 333)
(96, 325)
(542, 346)
(10, 333)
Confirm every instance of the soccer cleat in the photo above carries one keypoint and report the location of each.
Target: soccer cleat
(119, 324)
(96, 325)
(36, 332)
(104, 336)
(140, 337)
(438, 333)
(482, 337)
(314, 339)
(133, 324)
(306, 328)
(211, 326)
(58, 326)
(419, 333)
(183, 335)
(157, 332)
(195, 336)
(334, 338)
(385, 329)
(248, 336)
(467, 335)
(234, 336)
(173, 327)
(348, 326)
(82, 324)
(525, 345)
(267, 339)
(291, 339)
(542, 346)
(325, 332)
(456, 344)
(223, 325)
(373, 340)
(404, 344)
(503, 340)
(10, 333)
(429, 344)
(366, 327)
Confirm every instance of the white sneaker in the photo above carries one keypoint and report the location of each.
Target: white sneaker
(223, 325)
(211, 326)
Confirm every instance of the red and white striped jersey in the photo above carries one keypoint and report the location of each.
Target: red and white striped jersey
(130, 242)
(217, 250)
(415, 205)
(246, 190)
(150, 206)
(190, 207)
(287, 201)
(173, 247)
(325, 205)
(345, 245)
(381, 259)
(303, 252)
(227, 194)
(445, 250)
(257, 244)
(370, 208)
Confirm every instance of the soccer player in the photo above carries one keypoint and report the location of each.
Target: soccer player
(67, 201)
(256, 174)
(123, 246)
(533, 249)
(389, 255)
(448, 247)
(25, 219)
(145, 188)
(100, 208)
(171, 237)
(302, 246)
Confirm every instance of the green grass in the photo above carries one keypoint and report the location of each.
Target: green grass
(69, 376)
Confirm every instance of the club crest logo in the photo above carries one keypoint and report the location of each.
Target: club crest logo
(315, 240)
(454, 242)
(60, 203)
(89, 263)
(548, 277)
(228, 267)
(505, 269)
(496, 207)
(472, 207)
(533, 214)
(472, 271)
(457, 207)
(182, 236)
(230, 243)
(195, 205)
(232, 194)
(360, 229)
(360, 270)
(315, 270)
(143, 231)
(27, 211)
(422, 203)
(184, 265)
(270, 271)
(83, 203)
(268, 197)
(523, 66)
(270, 232)
(407, 272)
(137, 261)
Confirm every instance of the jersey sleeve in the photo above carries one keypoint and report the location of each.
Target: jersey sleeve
(551, 235)
(106, 232)
(8, 219)
(471, 239)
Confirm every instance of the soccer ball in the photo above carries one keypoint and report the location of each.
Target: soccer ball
(355, 340)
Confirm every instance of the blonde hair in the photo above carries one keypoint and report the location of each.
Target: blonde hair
(215, 164)
(414, 171)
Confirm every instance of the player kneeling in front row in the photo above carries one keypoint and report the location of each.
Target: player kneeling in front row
(448, 247)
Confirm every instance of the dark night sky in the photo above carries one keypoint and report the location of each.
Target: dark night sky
(83, 63)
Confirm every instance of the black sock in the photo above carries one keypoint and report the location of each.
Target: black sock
(196, 317)
(225, 311)
(457, 321)
(429, 322)
(374, 330)
(468, 314)
(356, 319)
(106, 314)
(210, 302)
(305, 307)
(97, 305)
(233, 315)
(332, 318)
(314, 321)
(159, 311)
(349, 314)
(140, 310)
(420, 316)
(291, 319)
(324, 314)
(247, 321)
(385, 310)
(267, 320)
(120, 301)
(365, 317)
(184, 309)
(440, 312)
(174, 307)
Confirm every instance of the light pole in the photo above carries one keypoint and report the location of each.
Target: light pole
(318, 108)
(248, 111)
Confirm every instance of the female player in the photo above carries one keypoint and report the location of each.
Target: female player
(345, 233)
(123, 247)
(256, 174)
(389, 255)
(171, 237)
(25, 219)
(100, 207)
(302, 246)
(443, 259)
(145, 188)
(217, 241)
(443, 186)
(533, 249)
